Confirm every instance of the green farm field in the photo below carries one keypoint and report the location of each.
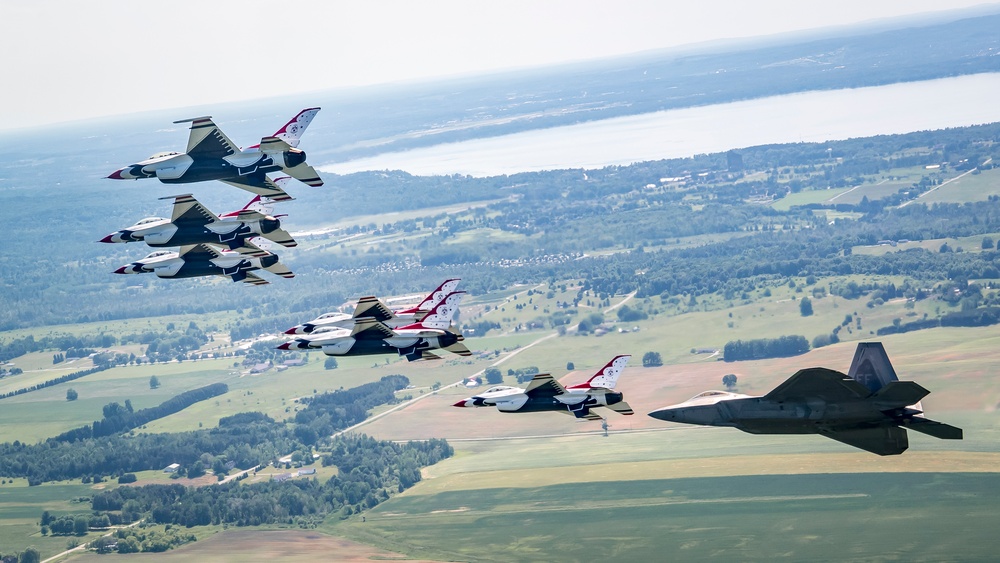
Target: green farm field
(880, 516)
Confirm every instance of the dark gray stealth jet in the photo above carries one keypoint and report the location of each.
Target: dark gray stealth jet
(869, 408)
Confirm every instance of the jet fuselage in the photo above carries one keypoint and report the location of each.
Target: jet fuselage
(159, 232)
(757, 415)
(181, 168)
(167, 264)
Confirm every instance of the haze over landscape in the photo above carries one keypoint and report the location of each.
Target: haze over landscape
(727, 193)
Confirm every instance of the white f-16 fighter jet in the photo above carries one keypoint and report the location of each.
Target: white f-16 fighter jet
(203, 260)
(211, 155)
(192, 223)
(544, 393)
(369, 336)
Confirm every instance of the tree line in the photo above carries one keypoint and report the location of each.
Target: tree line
(246, 439)
(761, 348)
(118, 418)
(369, 472)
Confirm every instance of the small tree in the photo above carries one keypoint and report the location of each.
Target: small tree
(29, 555)
(987, 243)
(729, 380)
(330, 363)
(493, 375)
(651, 359)
(805, 307)
(71, 394)
(154, 382)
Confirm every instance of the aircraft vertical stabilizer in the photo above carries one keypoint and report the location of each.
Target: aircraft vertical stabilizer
(871, 366)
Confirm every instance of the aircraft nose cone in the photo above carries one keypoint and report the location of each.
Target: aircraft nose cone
(285, 346)
(109, 238)
(117, 175)
(293, 330)
(462, 403)
(122, 270)
(664, 414)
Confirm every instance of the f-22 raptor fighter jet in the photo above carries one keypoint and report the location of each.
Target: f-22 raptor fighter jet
(374, 308)
(869, 408)
(369, 336)
(211, 155)
(544, 393)
(203, 260)
(192, 223)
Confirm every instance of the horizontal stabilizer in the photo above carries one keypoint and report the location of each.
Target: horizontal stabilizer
(259, 184)
(621, 408)
(273, 145)
(427, 355)
(254, 280)
(935, 428)
(459, 348)
(282, 237)
(305, 174)
(280, 269)
(896, 394)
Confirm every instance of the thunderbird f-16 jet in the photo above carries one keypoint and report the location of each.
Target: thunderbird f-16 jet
(203, 260)
(544, 393)
(374, 308)
(191, 223)
(370, 336)
(869, 408)
(211, 155)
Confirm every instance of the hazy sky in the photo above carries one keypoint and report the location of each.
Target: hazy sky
(67, 59)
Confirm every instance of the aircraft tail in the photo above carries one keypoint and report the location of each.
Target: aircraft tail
(435, 297)
(441, 316)
(871, 366)
(606, 377)
(293, 130)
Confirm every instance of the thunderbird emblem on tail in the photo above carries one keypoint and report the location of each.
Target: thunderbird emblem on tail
(869, 408)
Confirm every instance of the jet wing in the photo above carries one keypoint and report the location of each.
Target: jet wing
(371, 329)
(820, 383)
(206, 140)
(544, 385)
(189, 210)
(372, 307)
(198, 252)
(260, 184)
(881, 440)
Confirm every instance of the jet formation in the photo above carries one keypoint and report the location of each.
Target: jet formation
(370, 336)
(869, 408)
(544, 393)
(212, 244)
(371, 306)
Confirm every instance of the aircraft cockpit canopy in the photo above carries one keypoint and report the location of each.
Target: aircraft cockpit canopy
(163, 154)
(498, 388)
(157, 254)
(705, 394)
(331, 315)
(148, 220)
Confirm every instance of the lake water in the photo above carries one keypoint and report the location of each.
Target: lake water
(810, 116)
